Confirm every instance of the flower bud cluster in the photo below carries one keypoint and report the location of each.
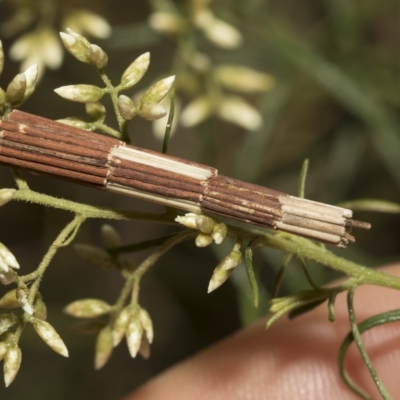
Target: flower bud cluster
(96, 255)
(225, 268)
(83, 50)
(8, 265)
(210, 230)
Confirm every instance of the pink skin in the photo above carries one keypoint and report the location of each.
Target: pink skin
(292, 360)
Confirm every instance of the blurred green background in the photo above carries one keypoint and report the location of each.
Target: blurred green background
(336, 101)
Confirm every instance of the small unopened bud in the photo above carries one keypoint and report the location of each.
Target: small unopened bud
(81, 93)
(96, 255)
(166, 22)
(232, 260)
(87, 308)
(98, 56)
(111, 238)
(243, 79)
(188, 220)
(147, 324)
(236, 110)
(49, 335)
(16, 89)
(12, 362)
(120, 325)
(3, 350)
(9, 300)
(152, 111)
(31, 75)
(6, 195)
(96, 111)
(134, 73)
(196, 111)
(7, 277)
(205, 224)
(219, 233)
(104, 348)
(87, 21)
(203, 240)
(134, 334)
(77, 45)
(126, 107)
(7, 320)
(76, 122)
(23, 301)
(158, 91)
(217, 31)
(144, 349)
(90, 327)
(1, 57)
(40, 309)
(7, 257)
(3, 98)
(219, 276)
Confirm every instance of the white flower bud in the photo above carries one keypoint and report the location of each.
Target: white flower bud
(222, 34)
(50, 48)
(23, 301)
(147, 324)
(205, 224)
(144, 349)
(76, 45)
(120, 325)
(96, 255)
(111, 238)
(3, 350)
(134, 334)
(243, 79)
(196, 111)
(7, 277)
(9, 300)
(3, 98)
(134, 73)
(82, 20)
(31, 75)
(7, 257)
(126, 107)
(236, 110)
(16, 89)
(200, 62)
(232, 260)
(49, 335)
(219, 276)
(76, 122)
(7, 320)
(166, 22)
(188, 220)
(80, 93)
(203, 240)
(104, 348)
(219, 233)
(87, 308)
(158, 91)
(152, 111)
(98, 56)
(40, 309)
(96, 111)
(6, 195)
(12, 362)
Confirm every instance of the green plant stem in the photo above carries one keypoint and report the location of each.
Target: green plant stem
(153, 258)
(89, 211)
(65, 236)
(307, 249)
(107, 129)
(357, 338)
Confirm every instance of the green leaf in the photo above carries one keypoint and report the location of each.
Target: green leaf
(248, 255)
(374, 205)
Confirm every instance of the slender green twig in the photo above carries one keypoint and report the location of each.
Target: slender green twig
(357, 338)
(302, 179)
(66, 235)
